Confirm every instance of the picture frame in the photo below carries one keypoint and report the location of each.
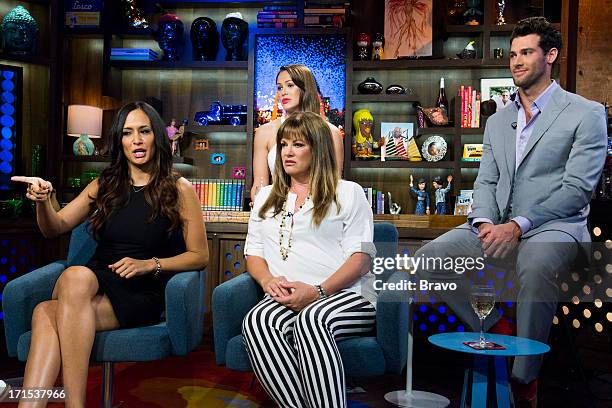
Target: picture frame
(390, 151)
(498, 90)
(217, 158)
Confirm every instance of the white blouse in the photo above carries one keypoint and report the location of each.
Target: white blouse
(315, 253)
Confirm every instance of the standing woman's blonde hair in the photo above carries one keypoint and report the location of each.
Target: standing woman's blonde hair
(303, 77)
(323, 178)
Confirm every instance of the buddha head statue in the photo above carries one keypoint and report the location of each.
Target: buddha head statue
(19, 32)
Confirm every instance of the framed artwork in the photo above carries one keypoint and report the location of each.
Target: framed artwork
(11, 88)
(408, 28)
(397, 137)
(325, 55)
(497, 89)
(217, 158)
(239, 172)
(434, 148)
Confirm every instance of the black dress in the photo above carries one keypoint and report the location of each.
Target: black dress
(137, 301)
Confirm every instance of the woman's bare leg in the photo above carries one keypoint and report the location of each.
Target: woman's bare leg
(80, 313)
(44, 358)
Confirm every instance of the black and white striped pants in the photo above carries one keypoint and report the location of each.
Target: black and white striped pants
(294, 355)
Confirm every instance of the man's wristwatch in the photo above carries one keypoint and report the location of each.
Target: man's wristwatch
(322, 294)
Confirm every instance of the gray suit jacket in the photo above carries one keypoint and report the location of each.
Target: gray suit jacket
(561, 166)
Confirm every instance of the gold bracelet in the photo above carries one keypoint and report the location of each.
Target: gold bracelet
(157, 267)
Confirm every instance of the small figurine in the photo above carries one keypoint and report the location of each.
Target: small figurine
(363, 142)
(394, 208)
(363, 47)
(440, 193)
(19, 32)
(175, 134)
(422, 205)
(378, 43)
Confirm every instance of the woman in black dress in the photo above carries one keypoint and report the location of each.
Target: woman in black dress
(135, 208)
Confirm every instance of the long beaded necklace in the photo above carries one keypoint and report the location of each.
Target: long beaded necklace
(284, 251)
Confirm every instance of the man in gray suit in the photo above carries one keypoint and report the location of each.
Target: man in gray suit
(542, 158)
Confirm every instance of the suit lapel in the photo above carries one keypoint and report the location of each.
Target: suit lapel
(509, 135)
(557, 103)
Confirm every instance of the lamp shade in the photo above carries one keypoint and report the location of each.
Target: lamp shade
(84, 120)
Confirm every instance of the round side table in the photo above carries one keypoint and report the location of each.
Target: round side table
(477, 375)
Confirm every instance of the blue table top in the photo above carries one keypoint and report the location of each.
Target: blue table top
(515, 346)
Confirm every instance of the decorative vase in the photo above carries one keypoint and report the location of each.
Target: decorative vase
(19, 32)
(83, 146)
(395, 90)
(170, 36)
(234, 31)
(204, 39)
(370, 86)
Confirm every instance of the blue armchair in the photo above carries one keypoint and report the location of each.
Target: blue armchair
(383, 352)
(180, 333)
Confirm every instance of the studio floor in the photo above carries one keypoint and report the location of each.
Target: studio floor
(196, 381)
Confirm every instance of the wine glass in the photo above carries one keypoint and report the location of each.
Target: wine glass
(482, 299)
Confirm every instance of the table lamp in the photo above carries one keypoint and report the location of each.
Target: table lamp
(84, 122)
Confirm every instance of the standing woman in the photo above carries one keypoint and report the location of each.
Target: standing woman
(309, 245)
(135, 209)
(297, 89)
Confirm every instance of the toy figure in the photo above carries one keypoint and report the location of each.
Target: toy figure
(363, 47)
(378, 43)
(175, 134)
(441, 193)
(422, 205)
(363, 142)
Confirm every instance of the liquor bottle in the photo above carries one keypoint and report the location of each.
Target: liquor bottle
(442, 102)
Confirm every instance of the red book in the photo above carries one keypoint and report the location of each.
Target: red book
(469, 116)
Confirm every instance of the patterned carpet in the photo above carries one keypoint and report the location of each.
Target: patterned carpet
(191, 381)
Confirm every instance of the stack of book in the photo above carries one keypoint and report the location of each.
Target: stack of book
(277, 16)
(470, 107)
(376, 199)
(326, 13)
(219, 194)
(133, 54)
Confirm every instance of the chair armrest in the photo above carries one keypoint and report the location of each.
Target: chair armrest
(392, 318)
(231, 301)
(21, 295)
(185, 310)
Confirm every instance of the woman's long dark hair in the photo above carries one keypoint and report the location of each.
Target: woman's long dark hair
(114, 183)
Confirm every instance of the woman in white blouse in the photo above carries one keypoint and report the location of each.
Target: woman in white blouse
(309, 246)
(297, 91)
